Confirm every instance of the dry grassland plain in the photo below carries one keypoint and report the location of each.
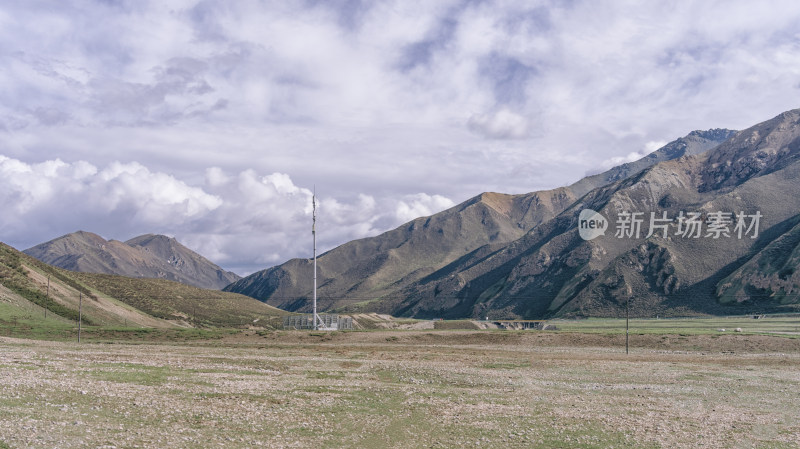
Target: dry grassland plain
(404, 389)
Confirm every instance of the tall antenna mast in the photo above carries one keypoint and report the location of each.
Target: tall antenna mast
(314, 236)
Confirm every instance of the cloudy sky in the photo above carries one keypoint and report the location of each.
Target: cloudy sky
(212, 121)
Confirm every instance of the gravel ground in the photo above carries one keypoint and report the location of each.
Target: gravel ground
(402, 389)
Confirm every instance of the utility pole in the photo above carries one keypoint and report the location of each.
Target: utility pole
(80, 314)
(314, 238)
(627, 319)
(48, 296)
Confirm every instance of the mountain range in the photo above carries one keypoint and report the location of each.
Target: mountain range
(146, 256)
(521, 256)
(723, 240)
(708, 224)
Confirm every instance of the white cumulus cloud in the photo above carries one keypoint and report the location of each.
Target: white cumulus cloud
(502, 124)
(232, 111)
(57, 196)
(633, 156)
(245, 221)
(420, 205)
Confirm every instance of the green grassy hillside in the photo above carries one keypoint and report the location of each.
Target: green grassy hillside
(36, 297)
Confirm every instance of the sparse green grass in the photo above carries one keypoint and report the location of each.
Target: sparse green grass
(454, 324)
(13, 275)
(151, 335)
(20, 322)
(506, 365)
(358, 390)
(139, 374)
(325, 375)
(175, 301)
(786, 325)
(16, 321)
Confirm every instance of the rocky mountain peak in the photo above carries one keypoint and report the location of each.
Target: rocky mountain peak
(149, 256)
(756, 151)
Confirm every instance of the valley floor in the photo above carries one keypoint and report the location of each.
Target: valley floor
(400, 389)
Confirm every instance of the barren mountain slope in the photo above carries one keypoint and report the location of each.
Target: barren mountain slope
(365, 269)
(147, 256)
(553, 271)
(368, 274)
